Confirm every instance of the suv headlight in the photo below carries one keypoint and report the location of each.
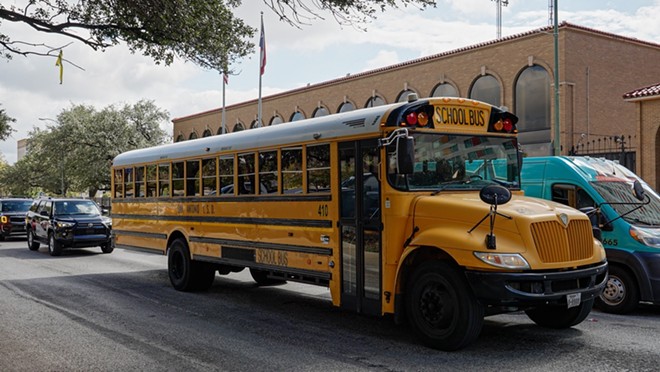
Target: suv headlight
(648, 237)
(63, 225)
(107, 221)
(504, 260)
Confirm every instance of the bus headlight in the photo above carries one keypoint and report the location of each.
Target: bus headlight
(503, 260)
(648, 237)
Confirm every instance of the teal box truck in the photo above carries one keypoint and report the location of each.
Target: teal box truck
(626, 209)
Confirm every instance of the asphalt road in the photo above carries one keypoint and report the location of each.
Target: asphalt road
(88, 311)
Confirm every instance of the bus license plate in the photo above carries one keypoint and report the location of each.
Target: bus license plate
(573, 299)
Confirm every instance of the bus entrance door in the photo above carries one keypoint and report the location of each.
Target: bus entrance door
(360, 222)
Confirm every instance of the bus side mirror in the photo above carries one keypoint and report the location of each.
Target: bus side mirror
(594, 217)
(638, 189)
(495, 195)
(405, 150)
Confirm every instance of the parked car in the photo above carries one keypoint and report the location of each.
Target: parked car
(12, 216)
(67, 223)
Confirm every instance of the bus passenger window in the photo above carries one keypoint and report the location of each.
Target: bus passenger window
(119, 184)
(318, 168)
(209, 183)
(226, 171)
(139, 182)
(292, 171)
(192, 178)
(152, 181)
(246, 174)
(177, 179)
(128, 183)
(163, 180)
(268, 176)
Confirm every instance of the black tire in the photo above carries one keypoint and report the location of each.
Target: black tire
(621, 294)
(107, 248)
(441, 308)
(54, 247)
(560, 317)
(33, 245)
(261, 277)
(185, 274)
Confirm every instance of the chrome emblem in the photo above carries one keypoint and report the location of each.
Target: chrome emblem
(564, 219)
(90, 224)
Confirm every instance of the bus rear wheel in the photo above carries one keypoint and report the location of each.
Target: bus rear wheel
(560, 317)
(185, 274)
(441, 308)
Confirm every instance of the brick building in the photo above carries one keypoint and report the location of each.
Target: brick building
(595, 70)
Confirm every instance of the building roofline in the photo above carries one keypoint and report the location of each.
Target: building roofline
(644, 93)
(349, 77)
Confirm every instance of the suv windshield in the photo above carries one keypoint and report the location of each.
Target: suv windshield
(464, 162)
(621, 192)
(16, 205)
(76, 207)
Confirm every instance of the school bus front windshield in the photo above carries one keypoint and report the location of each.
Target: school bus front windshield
(465, 162)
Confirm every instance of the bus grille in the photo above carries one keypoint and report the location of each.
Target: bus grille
(555, 243)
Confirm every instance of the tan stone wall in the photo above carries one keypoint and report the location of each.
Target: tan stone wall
(648, 162)
(589, 103)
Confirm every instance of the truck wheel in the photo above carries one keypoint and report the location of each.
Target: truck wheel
(261, 277)
(621, 294)
(54, 248)
(186, 274)
(560, 317)
(33, 245)
(441, 308)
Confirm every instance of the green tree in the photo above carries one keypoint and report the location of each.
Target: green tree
(75, 152)
(204, 32)
(5, 124)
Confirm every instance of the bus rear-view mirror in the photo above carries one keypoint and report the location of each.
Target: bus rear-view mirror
(405, 155)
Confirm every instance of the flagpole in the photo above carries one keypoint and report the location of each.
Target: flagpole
(224, 81)
(262, 65)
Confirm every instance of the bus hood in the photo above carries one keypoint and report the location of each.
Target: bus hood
(468, 209)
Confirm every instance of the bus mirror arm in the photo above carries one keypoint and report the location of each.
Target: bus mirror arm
(493, 194)
(404, 152)
(594, 216)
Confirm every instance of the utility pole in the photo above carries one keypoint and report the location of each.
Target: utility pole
(557, 144)
(500, 3)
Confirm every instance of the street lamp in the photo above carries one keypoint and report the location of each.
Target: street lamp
(61, 162)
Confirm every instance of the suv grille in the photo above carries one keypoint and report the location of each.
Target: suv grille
(555, 243)
(83, 228)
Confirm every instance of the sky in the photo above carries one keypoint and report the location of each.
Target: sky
(31, 93)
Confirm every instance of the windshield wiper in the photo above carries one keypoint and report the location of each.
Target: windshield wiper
(448, 183)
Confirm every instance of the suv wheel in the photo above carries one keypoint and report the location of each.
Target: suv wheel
(54, 247)
(107, 247)
(32, 244)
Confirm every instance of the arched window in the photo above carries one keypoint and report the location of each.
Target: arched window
(220, 130)
(487, 89)
(276, 120)
(533, 109)
(320, 111)
(180, 138)
(444, 90)
(345, 107)
(375, 101)
(238, 127)
(193, 136)
(255, 124)
(403, 96)
(207, 133)
(297, 116)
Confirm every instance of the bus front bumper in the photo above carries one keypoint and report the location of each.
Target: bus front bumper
(537, 288)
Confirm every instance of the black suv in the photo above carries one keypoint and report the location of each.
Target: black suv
(12, 216)
(67, 223)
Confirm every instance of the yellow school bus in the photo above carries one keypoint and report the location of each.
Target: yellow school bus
(411, 209)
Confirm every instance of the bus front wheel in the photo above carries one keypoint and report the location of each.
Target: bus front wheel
(186, 274)
(441, 308)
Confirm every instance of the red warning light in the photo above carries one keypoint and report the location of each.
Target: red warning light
(411, 118)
